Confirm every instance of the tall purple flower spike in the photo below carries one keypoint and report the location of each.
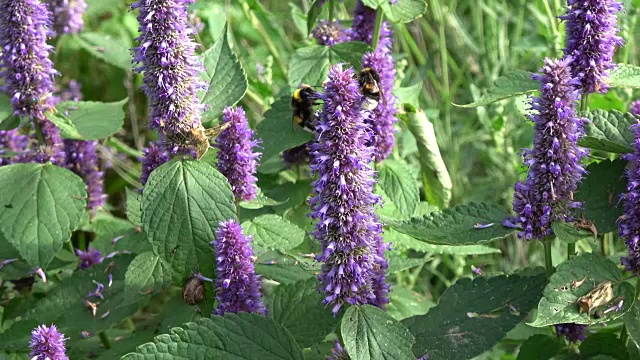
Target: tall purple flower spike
(166, 54)
(236, 159)
(237, 285)
(634, 108)
(153, 157)
(554, 161)
(67, 15)
(347, 228)
(629, 223)
(12, 141)
(47, 343)
(83, 160)
(329, 33)
(592, 38)
(572, 332)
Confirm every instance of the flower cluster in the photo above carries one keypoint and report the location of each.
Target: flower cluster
(153, 157)
(83, 160)
(634, 108)
(347, 228)
(67, 15)
(236, 159)
(364, 19)
(554, 161)
(592, 37)
(629, 223)
(237, 285)
(572, 332)
(87, 259)
(47, 343)
(166, 53)
(329, 33)
(11, 141)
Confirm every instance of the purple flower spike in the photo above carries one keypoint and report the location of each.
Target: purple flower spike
(554, 161)
(166, 54)
(236, 159)
(338, 353)
(364, 20)
(634, 108)
(11, 141)
(28, 72)
(67, 15)
(237, 285)
(573, 332)
(592, 38)
(89, 258)
(347, 228)
(629, 224)
(153, 157)
(329, 33)
(83, 160)
(47, 343)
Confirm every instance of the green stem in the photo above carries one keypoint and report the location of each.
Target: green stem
(624, 335)
(548, 262)
(376, 28)
(330, 10)
(39, 134)
(571, 250)
(604, 244)
(105, 340)
(82, 241)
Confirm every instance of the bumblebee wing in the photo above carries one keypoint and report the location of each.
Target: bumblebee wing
(214, 132)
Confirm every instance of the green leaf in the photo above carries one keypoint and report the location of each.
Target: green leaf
(227, 82)
(568, 233)
(625, 76)
(604, 344)
(399, 185)
(182, 204)
(6, 109)
(273, 232)
(599, 193)
(436, 181)
(108, 48)
(64, 123)
(404, 11)
(312, 16)
(477, 313)
(369, 333)
(406, 303)
(134, 206)
(558, 304)
(409, 95)
(259, 202)
(609, 131)
(277, 130)
(457, 226)
(298, 308)
(41, 206)
(539, 347)
(401, 242)
(309, 65)
(90, 120)
(514, 83)
(241, 336)
(632, 323)
(351, 52)
(146, 272)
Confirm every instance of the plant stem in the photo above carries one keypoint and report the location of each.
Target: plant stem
(104, 339)
(548, 262)
(330, 10)
(624, 335)
(584, 106)
(376, 29)
(571, 250)
(604, 244)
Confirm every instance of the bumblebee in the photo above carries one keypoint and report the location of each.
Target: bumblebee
(370, 89)
(302, 102)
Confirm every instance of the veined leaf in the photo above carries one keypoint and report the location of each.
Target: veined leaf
(514, 83)
(609, 131)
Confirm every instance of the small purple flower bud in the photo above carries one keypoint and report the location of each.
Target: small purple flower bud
(236, 159)
(67, 15)
(237, 285)
(83, 161)
(153, 157)
(629, 223)
(592, 38)
(47, 343)
(88, 258)
(554, 161)
(476, 270)
(329, 33)
(38, 271)
(338, 353)
(98, 291)
(573, 332)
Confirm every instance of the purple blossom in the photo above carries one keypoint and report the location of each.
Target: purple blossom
(634, 108)
(166, 54)
(83, 160)
(153, 157)
(237, 285)
(338, 353)
(347, 228)
(592, 38)
(67, 15)
(11, 141)
(52, 150)
(88, 258)
(98, 291)
(329, 33)
(629, 223)
(572, 332)
(554, 161)
(47, 343)
(236, 159)
(297, 155)
(364, 20)
(71, 92)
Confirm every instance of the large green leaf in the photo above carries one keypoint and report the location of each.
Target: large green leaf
(350, 52)
(369, 333)
(225, 78)
(609, 131)
(514, 83)
(6, 109)
(625, 76)
(436, 181)
(146, 273)
(604, 344)
(558, 304)
(107, 48)
(309, 65)
(477, 313)
(402, 241)
(599, 193)
(632, 323)
(89, 120)
(539, 347)
(458, 226)
(134, 206)
(406, 303)
(399, 185)
(182, 204)
(404, 11)
(273, 232)
(298, 307)
(234, 337)
(41, 206)
(312, 16)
